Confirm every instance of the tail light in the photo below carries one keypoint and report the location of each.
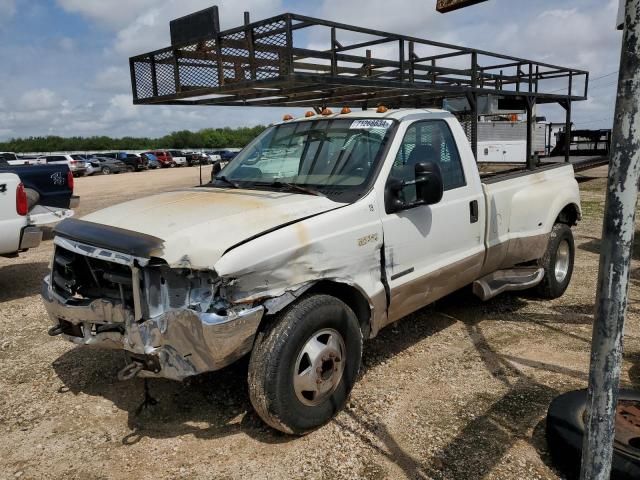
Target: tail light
(70, 180)
(22, 206)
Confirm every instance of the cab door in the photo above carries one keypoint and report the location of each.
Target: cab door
(433, 250)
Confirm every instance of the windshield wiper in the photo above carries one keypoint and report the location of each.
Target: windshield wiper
(224, 179)
(293, 186)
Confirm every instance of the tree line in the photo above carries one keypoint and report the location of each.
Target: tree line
(208, 138)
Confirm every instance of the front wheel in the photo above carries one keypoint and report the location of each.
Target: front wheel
(557, 262)
(106, 170)
(304, 364)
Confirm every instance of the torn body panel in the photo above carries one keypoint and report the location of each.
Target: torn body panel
(340, 246)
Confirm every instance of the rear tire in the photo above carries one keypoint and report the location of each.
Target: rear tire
(304, 364)
(106, 170)
(557, 262)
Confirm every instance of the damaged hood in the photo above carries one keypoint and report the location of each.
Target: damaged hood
(196, 226)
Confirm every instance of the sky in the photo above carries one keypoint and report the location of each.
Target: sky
(64, 63)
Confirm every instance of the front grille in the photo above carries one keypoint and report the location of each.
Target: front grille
(80, 279)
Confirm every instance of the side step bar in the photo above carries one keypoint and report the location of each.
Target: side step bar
(495, 283)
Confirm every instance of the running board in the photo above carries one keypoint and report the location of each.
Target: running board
(495, 283)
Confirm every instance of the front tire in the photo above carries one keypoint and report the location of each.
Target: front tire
(304, 364)
(557, 262)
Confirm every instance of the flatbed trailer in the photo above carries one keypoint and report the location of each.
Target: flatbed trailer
(267, 63)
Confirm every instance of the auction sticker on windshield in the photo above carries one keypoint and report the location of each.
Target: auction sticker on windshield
(370, 123)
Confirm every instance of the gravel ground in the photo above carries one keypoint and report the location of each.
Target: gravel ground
(457, 390)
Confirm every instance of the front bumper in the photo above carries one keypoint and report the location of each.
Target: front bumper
(175, 345)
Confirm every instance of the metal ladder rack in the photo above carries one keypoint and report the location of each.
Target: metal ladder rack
(263, 64)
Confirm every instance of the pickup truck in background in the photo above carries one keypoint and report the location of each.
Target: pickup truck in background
(179, 157)
(318, 234)
(30, 197)
(12, 159)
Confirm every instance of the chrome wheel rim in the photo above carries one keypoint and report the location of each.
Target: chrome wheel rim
(319, 367)
(563, 256)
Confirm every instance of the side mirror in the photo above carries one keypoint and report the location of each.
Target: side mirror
(429, 183)
(429, 188)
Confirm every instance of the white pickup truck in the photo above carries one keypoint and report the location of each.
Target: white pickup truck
(321, 232)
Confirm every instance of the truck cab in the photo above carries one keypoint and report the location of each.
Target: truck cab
(319, 233)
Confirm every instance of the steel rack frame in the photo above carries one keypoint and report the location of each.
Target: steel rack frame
(263, 64)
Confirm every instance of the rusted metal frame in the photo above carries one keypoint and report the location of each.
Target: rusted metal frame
(412, 59)
(441, 56)
(310, 21)
(283, 92)
(615, 260)
(502, 66)
(567, 140)
(472, 98)
(586, 85)
(504, 80)
(370, 43)
(401, 58)
(224, 58)
(221, 90)
(530, 103)
(154, 77)
(549, 77)
(334, 57)
(176, 72)
(248, 35)
(134, 83)
(380, 33)
(441, 90)
(287, 61)
(353, 96)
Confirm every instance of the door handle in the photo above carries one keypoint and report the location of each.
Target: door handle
(473, 211)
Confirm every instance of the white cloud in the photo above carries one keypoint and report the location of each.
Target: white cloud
(120, 108)
(113, 79)
(38, 100)
(113, 13)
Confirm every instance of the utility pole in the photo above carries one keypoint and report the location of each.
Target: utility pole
(615, 258)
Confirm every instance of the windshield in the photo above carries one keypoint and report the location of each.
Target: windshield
(331, 157)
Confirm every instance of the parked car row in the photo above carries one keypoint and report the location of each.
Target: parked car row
(119, 162)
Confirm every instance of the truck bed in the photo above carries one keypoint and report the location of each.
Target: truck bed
(511, 220)
(50, 182)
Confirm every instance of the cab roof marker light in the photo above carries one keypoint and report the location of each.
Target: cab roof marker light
(309, 114)
(381, 109)
(327, 111)
(287, 117)
(345, 110)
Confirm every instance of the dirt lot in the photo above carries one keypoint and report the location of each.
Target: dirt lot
(458, 390)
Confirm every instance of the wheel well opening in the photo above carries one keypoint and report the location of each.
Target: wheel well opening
(569, 215)
(352, 297)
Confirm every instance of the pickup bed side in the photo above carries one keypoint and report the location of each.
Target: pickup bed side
(521, 211)
(49, 185)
